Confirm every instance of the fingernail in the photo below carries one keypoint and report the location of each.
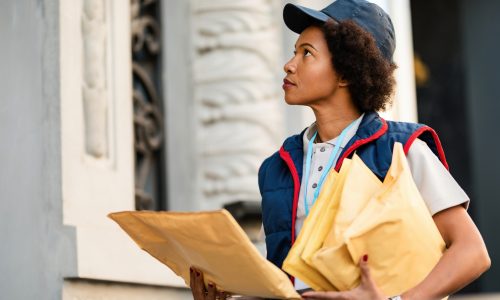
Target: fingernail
(365, 257)
(198, 273)
(210, 285)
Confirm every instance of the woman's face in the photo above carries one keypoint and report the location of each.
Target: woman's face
(310, 75)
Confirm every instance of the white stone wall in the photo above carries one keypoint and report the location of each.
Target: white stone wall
(97, 141)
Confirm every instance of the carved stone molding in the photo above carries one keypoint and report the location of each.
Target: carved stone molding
(238, 51)
(94, 85)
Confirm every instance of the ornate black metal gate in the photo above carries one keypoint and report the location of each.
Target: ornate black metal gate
(148, 109)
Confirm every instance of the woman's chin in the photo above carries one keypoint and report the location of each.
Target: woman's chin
(293, 101)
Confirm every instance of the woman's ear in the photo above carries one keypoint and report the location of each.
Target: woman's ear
(343, 82)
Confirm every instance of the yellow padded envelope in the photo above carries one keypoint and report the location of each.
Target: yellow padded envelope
(328, 213)
(212, 242)
(311, 232)
(395, 229)
(359, 187)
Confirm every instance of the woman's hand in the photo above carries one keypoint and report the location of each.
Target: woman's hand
(367, 289)
(197, 285)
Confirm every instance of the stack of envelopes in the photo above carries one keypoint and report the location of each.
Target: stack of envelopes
(357, 214)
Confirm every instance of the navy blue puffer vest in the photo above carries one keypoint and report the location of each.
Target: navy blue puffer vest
(280, 174)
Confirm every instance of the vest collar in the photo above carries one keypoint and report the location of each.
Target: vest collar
(295, 142)
(370, 126)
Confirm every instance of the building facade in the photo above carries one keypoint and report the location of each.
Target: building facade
(111, 105)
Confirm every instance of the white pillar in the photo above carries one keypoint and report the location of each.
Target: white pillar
(405, 100)
(238, 119)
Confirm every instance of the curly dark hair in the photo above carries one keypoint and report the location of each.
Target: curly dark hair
(356, 58)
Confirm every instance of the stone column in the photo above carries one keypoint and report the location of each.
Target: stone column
(236, 95)
(223, 98)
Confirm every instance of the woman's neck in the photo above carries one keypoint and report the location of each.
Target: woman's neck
(331, 120)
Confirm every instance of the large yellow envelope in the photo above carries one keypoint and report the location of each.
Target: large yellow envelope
(359, 187)
(328, 213)
(397, 231)
(212, 242)
(294, 263)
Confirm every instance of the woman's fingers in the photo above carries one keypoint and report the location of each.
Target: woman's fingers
(193, 283)
(212, 291)
(191, 278)
(367, 289)
(365, 270)
(223, 295)
(197, 285)
(201, 283)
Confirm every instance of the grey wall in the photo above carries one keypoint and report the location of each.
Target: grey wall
(481, 26)
(35, 252)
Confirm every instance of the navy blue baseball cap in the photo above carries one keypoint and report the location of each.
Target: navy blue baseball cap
(367, 15)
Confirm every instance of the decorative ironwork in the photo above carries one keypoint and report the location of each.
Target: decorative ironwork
(148, 117)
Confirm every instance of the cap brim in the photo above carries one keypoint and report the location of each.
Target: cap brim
(297, 18)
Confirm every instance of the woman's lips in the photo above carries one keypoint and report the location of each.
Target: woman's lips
(287, 84)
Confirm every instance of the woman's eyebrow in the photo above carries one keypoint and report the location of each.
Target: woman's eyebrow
(306, 44)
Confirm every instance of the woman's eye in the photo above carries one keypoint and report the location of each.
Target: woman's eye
(307, 52)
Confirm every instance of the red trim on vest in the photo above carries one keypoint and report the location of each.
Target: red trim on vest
(359, 143)
(418, 133)
(296, 186)
(296, 189)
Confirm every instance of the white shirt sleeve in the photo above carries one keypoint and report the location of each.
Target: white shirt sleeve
(435, 183)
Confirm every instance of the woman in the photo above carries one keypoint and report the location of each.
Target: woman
(342, 69)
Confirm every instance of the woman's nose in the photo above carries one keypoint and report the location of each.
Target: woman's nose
(289, 67)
